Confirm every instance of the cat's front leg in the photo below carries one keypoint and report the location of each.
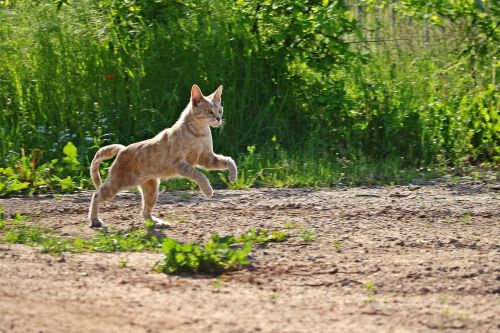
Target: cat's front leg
(233, 170)
(185, 170)
(220, 162)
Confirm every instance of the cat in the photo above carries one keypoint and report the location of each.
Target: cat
(174, 152)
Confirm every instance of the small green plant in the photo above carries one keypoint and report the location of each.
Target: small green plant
(337, 245)
(219, 254)
(274, 296)
(262, 235)
(290, 224)
(447, 219)
(123, 262)
(370, 291)
(466, 218)
(214, 257)
(308, 235)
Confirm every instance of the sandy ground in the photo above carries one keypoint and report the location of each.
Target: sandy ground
(430, 253)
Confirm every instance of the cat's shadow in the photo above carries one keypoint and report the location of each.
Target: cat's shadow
(150, 231)
(158, 233)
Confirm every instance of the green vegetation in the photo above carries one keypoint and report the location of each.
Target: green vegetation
(26, 175)
(217, 255)
(308, 235)
(337, 245)
(370, 290)
(315, 95)
(17, 231)
(214, 257)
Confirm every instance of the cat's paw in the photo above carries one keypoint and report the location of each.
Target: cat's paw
(208, 191)
(233, 173)
(96, 223)
(159, 223)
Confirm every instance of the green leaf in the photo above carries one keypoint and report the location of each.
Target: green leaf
(17, 186)
(70, 150)
(71, 154)
(67, 184)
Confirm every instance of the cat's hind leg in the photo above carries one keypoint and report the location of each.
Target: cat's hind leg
(104, 193)
(149, 191)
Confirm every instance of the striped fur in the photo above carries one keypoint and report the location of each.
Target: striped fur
(105, 153)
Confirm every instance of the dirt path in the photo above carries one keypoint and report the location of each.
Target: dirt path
(399, 259)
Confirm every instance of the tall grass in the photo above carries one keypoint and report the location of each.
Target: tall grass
(96, 72)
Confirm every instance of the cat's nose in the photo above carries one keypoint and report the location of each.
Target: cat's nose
(218, 118)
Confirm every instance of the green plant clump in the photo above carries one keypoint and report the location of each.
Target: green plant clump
(27, 175)
(219, 254)
(214, 257)
(18, 231)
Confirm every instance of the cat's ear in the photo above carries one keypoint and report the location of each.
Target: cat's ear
(196, 95)
(217, 94)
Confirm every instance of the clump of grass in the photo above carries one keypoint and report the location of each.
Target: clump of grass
(262, 235)
(337, 245)
(122, 262)
(308, 235)
(370, 291)
(18, 232)
(291, 224)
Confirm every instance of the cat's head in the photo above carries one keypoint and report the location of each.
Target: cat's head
(207, 109)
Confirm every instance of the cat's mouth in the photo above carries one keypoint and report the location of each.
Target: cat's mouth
(215, 123)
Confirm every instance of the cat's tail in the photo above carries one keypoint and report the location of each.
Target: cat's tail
(105, 153)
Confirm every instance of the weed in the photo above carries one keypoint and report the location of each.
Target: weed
(219, 254)
(291, 225)
(274, 296)
(337, 245)
(308, 235)
(214, 257)
(123, 262)
(448, 219)
(262, 235)
(370, 291)
(466, 218)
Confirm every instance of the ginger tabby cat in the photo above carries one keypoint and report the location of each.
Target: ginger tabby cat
(174, 152)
